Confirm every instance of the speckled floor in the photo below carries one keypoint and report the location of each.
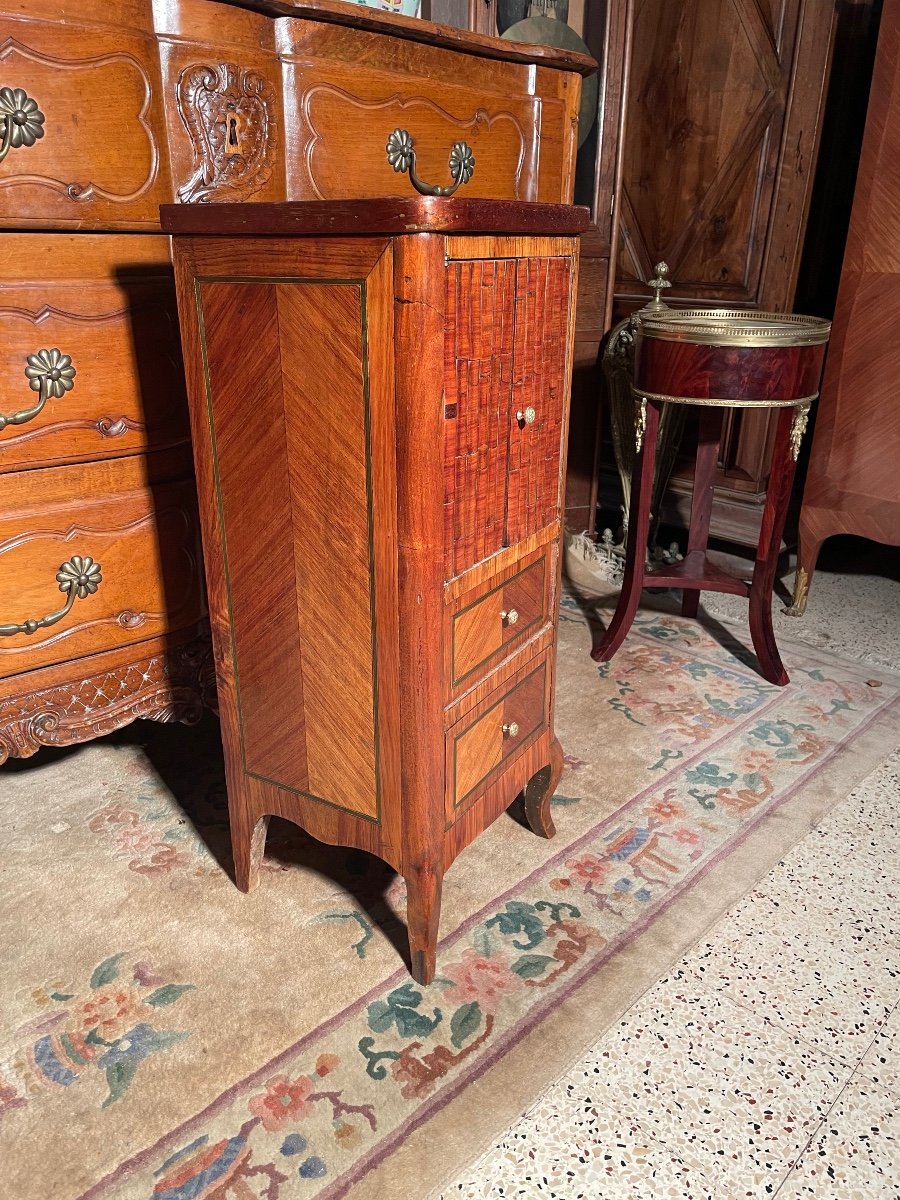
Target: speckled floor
(768, 1062)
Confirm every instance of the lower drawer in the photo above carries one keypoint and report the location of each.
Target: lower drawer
(483, 742)
(92, 558)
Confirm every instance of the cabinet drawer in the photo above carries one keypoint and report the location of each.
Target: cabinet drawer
(101, 312)
(480, 745)
(93, 558)
(97, 159)
(344, 117)
(489, 625)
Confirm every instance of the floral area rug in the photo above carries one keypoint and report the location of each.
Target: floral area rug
(168, 1038)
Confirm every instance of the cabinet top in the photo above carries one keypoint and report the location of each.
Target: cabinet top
(392, 216)
(338, 12)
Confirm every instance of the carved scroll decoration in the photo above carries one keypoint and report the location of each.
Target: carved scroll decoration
(173, 686)
(229, 113)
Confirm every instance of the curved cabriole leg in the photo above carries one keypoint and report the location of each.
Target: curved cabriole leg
(638, 532)
(784, 465)
(423, 914)
(248, 843)
(539, 790)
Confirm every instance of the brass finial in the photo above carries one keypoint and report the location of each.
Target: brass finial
(658, 284)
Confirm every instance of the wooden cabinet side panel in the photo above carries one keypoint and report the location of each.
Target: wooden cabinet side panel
(293, 457)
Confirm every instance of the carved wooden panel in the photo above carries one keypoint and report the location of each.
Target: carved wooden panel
(99, 162)
(225, 139)
(170, 686)
(343, 120)
(108, 305)
(134, 549)
(708, 99)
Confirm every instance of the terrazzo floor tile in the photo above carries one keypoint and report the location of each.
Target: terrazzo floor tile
(594, 1154)
(881, 1062)
(834, 1000)
(855, 1155)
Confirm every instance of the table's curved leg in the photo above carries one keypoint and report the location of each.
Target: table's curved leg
(707, 461)
(638, 532)
(781, 479)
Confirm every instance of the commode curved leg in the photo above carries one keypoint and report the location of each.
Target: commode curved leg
(809, 543)
(248, 844)
(539, 790)
(423, 915)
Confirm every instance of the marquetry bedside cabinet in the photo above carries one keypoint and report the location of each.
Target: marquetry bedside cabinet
(379, 399)
(718, 359)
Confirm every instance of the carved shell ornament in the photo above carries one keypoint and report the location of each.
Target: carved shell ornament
(229, 114)
(21, 121)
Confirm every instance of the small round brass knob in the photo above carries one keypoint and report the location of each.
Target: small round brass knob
(509, 617)
(510, 730)
(527, 415)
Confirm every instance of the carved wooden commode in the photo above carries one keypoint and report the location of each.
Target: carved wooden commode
(379, 399)
(108, 110)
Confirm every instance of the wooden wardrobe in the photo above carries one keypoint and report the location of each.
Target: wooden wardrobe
(853, 480)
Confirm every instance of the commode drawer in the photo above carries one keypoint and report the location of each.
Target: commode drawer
(484, 741)
(88, 150)
(500, 616)
(93, 558)
(90, 358)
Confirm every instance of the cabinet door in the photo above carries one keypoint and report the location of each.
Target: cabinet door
(506, 378)
(537, 403)
(478, 366)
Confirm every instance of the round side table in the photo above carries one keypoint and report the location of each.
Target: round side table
(717, 359)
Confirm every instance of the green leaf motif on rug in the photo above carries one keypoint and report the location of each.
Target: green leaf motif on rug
(465, 1023)
(519, 917)
(168, 994)
(531, 966)
(400, 1009)
(106, 971)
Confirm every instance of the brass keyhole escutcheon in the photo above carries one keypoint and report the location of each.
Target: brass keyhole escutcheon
(232, 134)
(510, 617)
(526, 416)
(511, 730)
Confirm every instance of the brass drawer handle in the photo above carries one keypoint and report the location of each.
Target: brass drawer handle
(21, 121)
(511, 730)
(401, 155)
(78, 577)
(510, 617)
(49, 373)
(526, 415)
